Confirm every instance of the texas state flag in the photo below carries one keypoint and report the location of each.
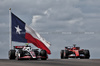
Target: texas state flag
(23, 33)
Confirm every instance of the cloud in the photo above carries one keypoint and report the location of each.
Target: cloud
(47, 12)
(74, 20)
(35, 18)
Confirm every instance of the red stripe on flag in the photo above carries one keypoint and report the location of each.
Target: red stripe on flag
(36, 42)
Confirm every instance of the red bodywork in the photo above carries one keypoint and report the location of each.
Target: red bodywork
(75, 50)
(19, 47)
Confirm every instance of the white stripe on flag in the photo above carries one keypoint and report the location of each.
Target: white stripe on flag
(36, 35)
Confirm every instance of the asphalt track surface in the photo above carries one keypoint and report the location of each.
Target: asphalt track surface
(51, 62)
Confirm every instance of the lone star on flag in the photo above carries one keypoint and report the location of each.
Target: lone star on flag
(18, 29)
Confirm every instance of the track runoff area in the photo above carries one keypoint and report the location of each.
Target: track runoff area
(51, 62)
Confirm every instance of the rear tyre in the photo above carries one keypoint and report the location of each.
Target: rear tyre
(62, 54)
(12, 54)
(43, 55)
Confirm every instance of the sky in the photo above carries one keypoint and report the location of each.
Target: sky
(60, 22)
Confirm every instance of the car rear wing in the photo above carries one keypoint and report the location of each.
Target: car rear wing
(68, 47)
(19, 47)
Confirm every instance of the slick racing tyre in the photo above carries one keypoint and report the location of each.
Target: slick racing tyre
(62, 54)
(12, 54)
(87, 54)
(43, 55)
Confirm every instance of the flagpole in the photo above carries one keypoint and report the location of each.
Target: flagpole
(10, 33)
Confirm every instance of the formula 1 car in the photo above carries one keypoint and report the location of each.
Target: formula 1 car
(26, 52)
(74, 52)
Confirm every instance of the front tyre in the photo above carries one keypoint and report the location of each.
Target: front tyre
(12, 54)
(87, 54)
(62, 54)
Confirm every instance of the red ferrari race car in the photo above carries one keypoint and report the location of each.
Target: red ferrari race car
(74, 52)
(26, 52)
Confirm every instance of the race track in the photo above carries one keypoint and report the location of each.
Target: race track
(51, 62)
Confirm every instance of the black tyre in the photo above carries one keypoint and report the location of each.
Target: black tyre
(62, 54)
(87, 54)
(12, 54)
(66, 53)
(43, 55)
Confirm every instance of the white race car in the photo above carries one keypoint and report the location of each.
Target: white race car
(26, 52)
